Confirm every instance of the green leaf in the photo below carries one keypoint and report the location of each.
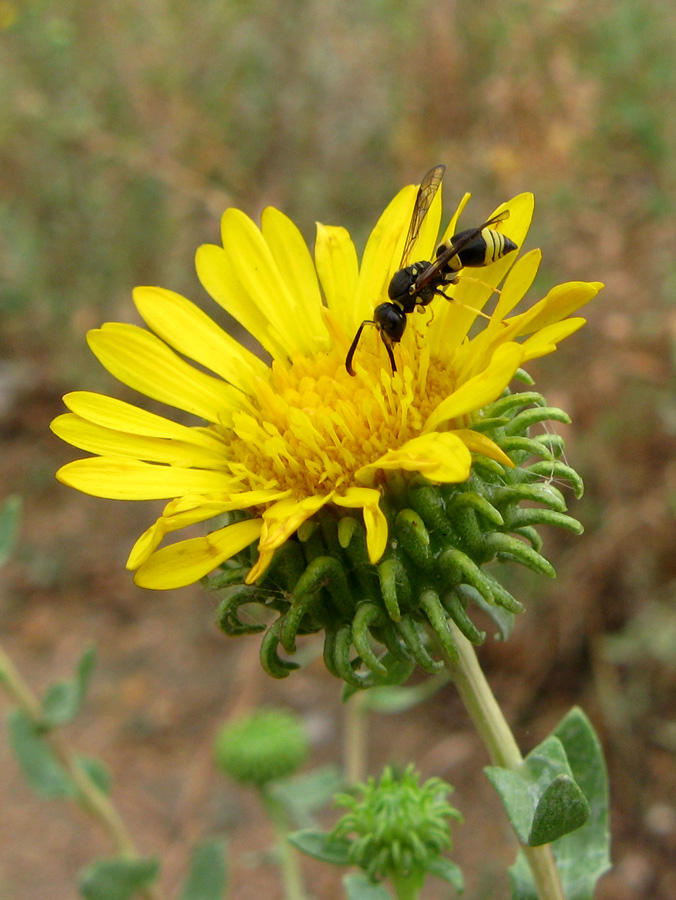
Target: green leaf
(116, 879)
(64, 699)
(319, 845)
(400, 699)
(541, 798)
(39, 764)
(448, 870)
(584, 855)
(10, 516)
(97, 772)
(302, 794)
(360, 887)
(562, 809)
(207, 878)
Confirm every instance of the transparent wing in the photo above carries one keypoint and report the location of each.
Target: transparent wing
(426, 192)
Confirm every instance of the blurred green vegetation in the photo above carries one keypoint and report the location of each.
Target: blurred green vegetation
(127, 128)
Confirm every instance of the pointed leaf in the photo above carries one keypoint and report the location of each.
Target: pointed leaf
(39, 764)
(116, 879)
(541, 798)
(398, 699)
(302, 794)
(584, 855)
(207, 878)
(449, 871)
(63, 700)
(360, 887)
(319, 845)
(562, 808)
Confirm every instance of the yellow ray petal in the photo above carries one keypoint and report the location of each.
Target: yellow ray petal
(382, 255)
(221, 282)
(139, 359)
(188, 561)
(546, 339)
(257, 273)
(441, 457)
(127, 479)
(453, 224)
(107, 442)
(190, 331)
(298, 273)
(518, 281)
(479, 443)
(480, 390)
(121, 416)
(190, 510)
(368, 499)
(338, 269)
(560, 302)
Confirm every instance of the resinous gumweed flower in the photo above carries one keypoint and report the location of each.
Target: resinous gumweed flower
(298, 443)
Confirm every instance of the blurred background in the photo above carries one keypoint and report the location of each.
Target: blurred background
(125, 130)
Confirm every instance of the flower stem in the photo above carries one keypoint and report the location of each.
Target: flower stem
(288, 859)
(502, 748)
(408, 887)
(354, 738)
(90, 795)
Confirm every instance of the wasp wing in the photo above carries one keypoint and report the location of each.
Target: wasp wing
(458, 246)
(426, 193)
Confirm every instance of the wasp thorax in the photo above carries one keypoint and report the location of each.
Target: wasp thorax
(401, 283)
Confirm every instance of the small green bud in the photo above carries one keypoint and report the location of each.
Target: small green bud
(263, 746)
(396, 827)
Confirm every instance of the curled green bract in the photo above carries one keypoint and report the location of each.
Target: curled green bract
(381, 620)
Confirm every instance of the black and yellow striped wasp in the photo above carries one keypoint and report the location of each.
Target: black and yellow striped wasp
(416, 285)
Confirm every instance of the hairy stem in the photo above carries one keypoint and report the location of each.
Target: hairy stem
(90, 796)
(502, 748)
(288, 859)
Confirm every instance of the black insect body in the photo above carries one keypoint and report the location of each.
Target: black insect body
(416, 285)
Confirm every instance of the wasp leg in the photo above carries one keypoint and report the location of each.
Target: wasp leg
(485, 284)
(388, 347)
(423, 309)
(460, 303)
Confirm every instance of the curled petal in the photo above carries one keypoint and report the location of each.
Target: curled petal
(480, 443)
(374, 518)
(439, 456)
(190, 510)
(188, 561)
(280, 521)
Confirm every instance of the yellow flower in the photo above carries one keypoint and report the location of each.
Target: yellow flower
(281, 441)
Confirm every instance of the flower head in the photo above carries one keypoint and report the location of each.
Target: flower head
(396, 827)
(278, 443)
(263, 746)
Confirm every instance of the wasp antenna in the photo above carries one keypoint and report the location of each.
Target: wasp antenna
(353, 346)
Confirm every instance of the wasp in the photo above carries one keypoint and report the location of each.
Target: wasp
(415, 286)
